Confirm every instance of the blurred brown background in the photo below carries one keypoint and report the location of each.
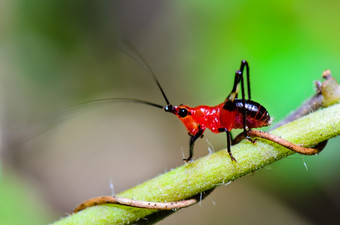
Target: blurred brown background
(54, 54)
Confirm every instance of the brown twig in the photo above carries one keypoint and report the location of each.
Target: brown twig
(281, 141)
(135, 203)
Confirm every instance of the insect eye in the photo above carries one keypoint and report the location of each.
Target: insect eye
(183, 112)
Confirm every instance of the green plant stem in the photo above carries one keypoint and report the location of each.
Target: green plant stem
(214, 170)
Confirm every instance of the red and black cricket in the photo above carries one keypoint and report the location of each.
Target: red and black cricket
(233, 113)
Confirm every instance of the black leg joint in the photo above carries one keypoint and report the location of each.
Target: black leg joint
(193, 138)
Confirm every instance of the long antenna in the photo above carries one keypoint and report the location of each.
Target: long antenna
(134, 100)
(131, 51)
(80, 105)
(138, 57)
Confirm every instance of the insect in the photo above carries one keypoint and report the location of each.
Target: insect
(233, 113)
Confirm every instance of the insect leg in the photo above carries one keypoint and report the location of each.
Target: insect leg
(233, 94)
(229, 141)
(193, 138)
(244, 63)
(238, 79)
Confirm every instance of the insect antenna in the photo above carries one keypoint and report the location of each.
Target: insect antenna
(132, 51)
(104, 100)
(71, 111)
(129, 49)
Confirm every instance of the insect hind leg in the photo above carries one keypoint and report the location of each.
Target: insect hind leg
(239, 79)
(231, 99)
(245, 64)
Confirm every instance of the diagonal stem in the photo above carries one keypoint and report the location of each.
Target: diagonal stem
(214, 170)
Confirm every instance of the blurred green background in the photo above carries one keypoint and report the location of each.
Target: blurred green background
(54, 54)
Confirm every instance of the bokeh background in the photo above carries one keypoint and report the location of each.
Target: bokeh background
(54, 54)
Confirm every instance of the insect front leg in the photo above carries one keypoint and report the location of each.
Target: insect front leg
(193, 138)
